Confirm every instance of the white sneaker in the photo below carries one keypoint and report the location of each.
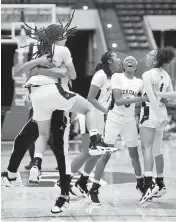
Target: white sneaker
(61, 206)
(6, 181)
(34, 177)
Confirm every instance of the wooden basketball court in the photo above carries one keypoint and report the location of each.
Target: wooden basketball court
(119, 198)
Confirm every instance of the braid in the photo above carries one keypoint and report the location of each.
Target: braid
(46, 37)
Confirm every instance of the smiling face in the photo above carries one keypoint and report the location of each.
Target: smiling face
(114, 61)
(130, 64)
(151, 59)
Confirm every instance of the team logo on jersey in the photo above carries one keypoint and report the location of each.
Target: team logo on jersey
(129, 92)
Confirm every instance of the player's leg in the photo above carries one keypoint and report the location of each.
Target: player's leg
(159, 162)
(147, 135)
(60, 127)
(111, 132)
(130, 136)
(24, 139)
(84, 157)
(82, 106)
(40, 146)
(80, 159)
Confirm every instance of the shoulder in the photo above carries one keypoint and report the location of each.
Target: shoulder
(101, 74)
(117, 76)
(61, 49)
(99, 78)
(147, 73)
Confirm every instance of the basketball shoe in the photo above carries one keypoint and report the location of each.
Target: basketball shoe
(80, 186)
(150, 189)
(99, 147)
(93, 194)
(35, 172)
(61, 206)
(11, 182)
(162, 188)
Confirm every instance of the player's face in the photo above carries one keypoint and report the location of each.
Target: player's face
(130, 64)
(116, 62)
(150, 59)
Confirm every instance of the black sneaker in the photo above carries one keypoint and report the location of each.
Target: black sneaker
(140, 185)
(162, 188)
(62, 204)
(150, 189)
(93, 195)
(6, 181)
(80, 188)
(57, 185)
(99, 147)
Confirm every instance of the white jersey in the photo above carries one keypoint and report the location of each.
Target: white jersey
(62, 57)
(159, 80)
(129, 89)
(101, 80)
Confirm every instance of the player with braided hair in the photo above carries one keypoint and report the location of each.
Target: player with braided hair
(153, 119)
(47, 94)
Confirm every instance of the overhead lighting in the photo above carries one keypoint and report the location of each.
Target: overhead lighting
(85, 7)
(109, 25)
(114, 45)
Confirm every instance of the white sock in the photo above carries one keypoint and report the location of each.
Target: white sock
(39, 155)
(11, 175)
(93, 132)
(85, 174)
(160, 175)
(139, 177)
(96, 181)
(148, 174)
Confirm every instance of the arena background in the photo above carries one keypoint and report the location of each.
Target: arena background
(128, 27)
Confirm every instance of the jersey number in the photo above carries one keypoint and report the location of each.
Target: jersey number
(127, 105)
(161, 87)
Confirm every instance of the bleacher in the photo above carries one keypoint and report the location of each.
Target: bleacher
(130, 14)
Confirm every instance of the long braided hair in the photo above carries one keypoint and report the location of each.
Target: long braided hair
(46, 37)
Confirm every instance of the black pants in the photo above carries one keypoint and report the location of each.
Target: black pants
(30, 133)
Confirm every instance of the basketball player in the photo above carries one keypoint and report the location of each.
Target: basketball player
(47, 94)
(121, 120)
(100, 96)
(153, 118)
(60, 126)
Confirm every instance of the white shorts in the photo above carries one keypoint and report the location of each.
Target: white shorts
(47, 98)
(150, 120)
(100, 123)
(125, 126)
